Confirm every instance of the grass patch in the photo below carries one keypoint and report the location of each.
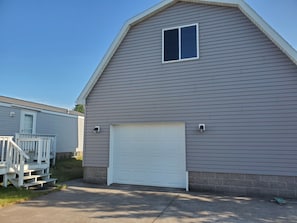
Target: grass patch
(12, 195)
(67, 169)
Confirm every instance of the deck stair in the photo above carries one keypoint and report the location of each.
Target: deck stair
(27, 167)
(33, 178)
(37, 177)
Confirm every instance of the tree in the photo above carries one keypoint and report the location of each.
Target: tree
(79, 108)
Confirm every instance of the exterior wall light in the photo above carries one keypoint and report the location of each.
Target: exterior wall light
(96, 129)
(201, 127)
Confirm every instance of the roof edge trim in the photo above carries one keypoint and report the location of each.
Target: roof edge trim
(114, 46)
(273, 35)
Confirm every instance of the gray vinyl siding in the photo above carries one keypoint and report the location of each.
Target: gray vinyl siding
(242, 87)
(64, 128)
(9, 125)
(67, 129)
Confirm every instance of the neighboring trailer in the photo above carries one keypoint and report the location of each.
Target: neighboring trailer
(228, 104)
(24, 117)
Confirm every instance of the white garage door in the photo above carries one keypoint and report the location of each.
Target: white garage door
(148, 154)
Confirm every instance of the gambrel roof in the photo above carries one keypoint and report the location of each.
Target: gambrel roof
(240, 4)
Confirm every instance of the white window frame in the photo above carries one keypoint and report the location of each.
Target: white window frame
(179, 44)
(22, 120)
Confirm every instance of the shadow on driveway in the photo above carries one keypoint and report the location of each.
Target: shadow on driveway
(82, 202)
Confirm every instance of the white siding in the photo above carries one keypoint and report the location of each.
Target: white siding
(64, 128)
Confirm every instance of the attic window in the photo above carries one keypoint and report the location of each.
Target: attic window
(180, 43)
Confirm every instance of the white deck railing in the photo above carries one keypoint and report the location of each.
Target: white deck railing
(37, 149)
(14, 155)
(13, 158)
(24, 141)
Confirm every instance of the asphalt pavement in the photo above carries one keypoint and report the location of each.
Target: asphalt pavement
(88, 203)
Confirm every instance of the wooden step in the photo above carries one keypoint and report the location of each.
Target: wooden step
(33, 166)
(39, 183)
(32, 170)
(36, 176)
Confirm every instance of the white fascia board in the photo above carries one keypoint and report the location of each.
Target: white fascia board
(151, 11)
(253, 16)
(278, 40)
(100, 68)
(44, 111)
(5, 104)
(39, 110)
(114, 46)
(232, 3)
(60, 114)
(25, 107)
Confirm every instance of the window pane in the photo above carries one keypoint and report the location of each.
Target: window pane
(28, 124)
(171, 51)
(188, 42)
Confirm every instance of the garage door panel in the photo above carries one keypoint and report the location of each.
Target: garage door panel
(149, 154)
(136, 177)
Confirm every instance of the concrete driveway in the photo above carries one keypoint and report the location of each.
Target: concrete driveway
(82, 202)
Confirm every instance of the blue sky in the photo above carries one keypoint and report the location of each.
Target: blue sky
(50, 48)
